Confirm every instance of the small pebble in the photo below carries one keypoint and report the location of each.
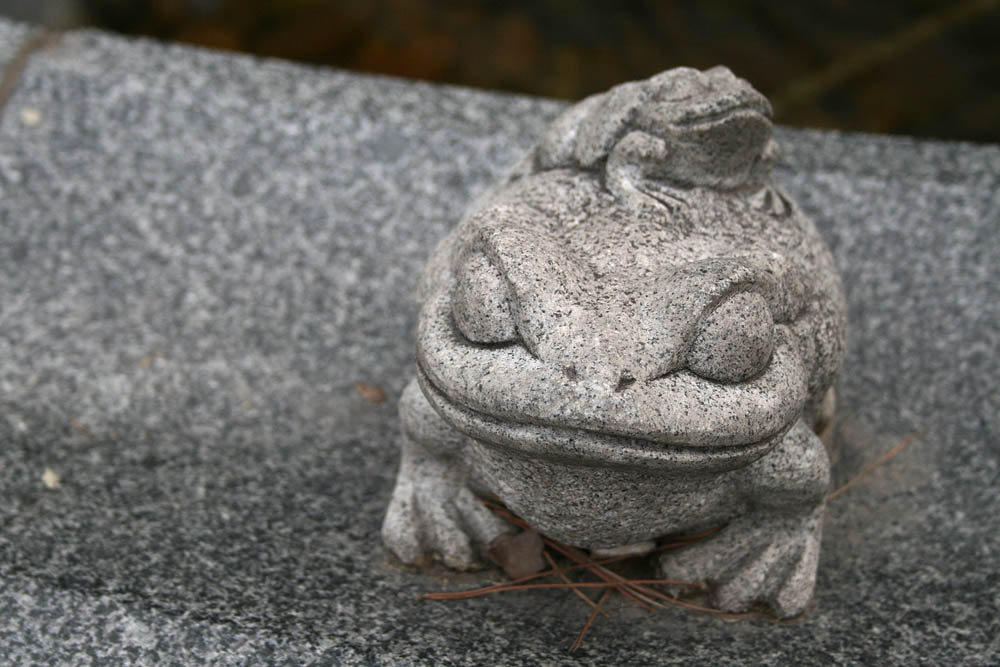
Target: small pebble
(31, 116)
(50, 478)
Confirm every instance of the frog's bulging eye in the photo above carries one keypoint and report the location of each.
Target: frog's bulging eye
(481, 302)
(735, 341)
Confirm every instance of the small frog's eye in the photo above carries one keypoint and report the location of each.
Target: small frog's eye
(481, 302)
(735, 340)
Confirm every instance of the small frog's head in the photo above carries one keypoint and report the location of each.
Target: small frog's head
(715, 128)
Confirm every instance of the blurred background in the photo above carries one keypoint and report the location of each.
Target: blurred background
(928, 68)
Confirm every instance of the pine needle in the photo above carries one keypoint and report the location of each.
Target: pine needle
(577, 591)
(882, 459)
(590, 621)
(462, 595)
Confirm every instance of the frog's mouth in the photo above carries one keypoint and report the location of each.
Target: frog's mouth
(507, 397)
(582, 446)
(716, 145)
(746, 112)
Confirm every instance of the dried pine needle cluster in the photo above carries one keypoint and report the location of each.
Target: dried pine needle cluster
(640, 591)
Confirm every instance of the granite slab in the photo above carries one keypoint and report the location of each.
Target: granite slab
(12, 36)
(204, 253)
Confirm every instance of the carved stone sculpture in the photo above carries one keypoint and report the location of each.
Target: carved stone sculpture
(635, 334)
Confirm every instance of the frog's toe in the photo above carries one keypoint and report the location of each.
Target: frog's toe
(795, 593)
(400, 529)
(447, 538)
(705, 560)
(479, 522)
(754, 579)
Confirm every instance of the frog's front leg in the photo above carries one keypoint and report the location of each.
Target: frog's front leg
(433, 512)
(769, 554)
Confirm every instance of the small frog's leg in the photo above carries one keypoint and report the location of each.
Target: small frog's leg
(433, 513)
(627, 174)
(769, 554)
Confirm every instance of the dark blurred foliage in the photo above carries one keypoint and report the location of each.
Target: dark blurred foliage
(921, 67)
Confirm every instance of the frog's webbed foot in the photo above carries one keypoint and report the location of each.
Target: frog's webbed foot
(756, 559)
(768, 555)
(627, 175)
(433, 514)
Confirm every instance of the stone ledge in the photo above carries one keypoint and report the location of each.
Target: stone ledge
(203, 253)
(12, 35)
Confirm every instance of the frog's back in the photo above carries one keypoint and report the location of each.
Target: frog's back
(596, 229)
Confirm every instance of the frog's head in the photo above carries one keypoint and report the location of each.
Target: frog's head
(683, 127)
(618, 348)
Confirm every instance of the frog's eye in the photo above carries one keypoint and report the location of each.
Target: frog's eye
(735, 340)
(481, 302)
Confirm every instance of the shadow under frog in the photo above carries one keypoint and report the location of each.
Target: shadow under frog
(635, 334)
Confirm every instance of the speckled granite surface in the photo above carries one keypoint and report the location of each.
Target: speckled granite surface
(12, 35)
(202, 254)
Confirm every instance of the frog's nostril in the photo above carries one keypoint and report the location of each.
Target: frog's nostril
(625, 380)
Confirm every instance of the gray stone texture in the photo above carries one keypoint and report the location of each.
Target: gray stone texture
(201, 255)
(12, 35)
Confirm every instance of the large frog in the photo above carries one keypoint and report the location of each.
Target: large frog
(635, 334)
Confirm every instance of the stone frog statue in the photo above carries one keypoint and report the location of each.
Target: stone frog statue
(635, 334)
